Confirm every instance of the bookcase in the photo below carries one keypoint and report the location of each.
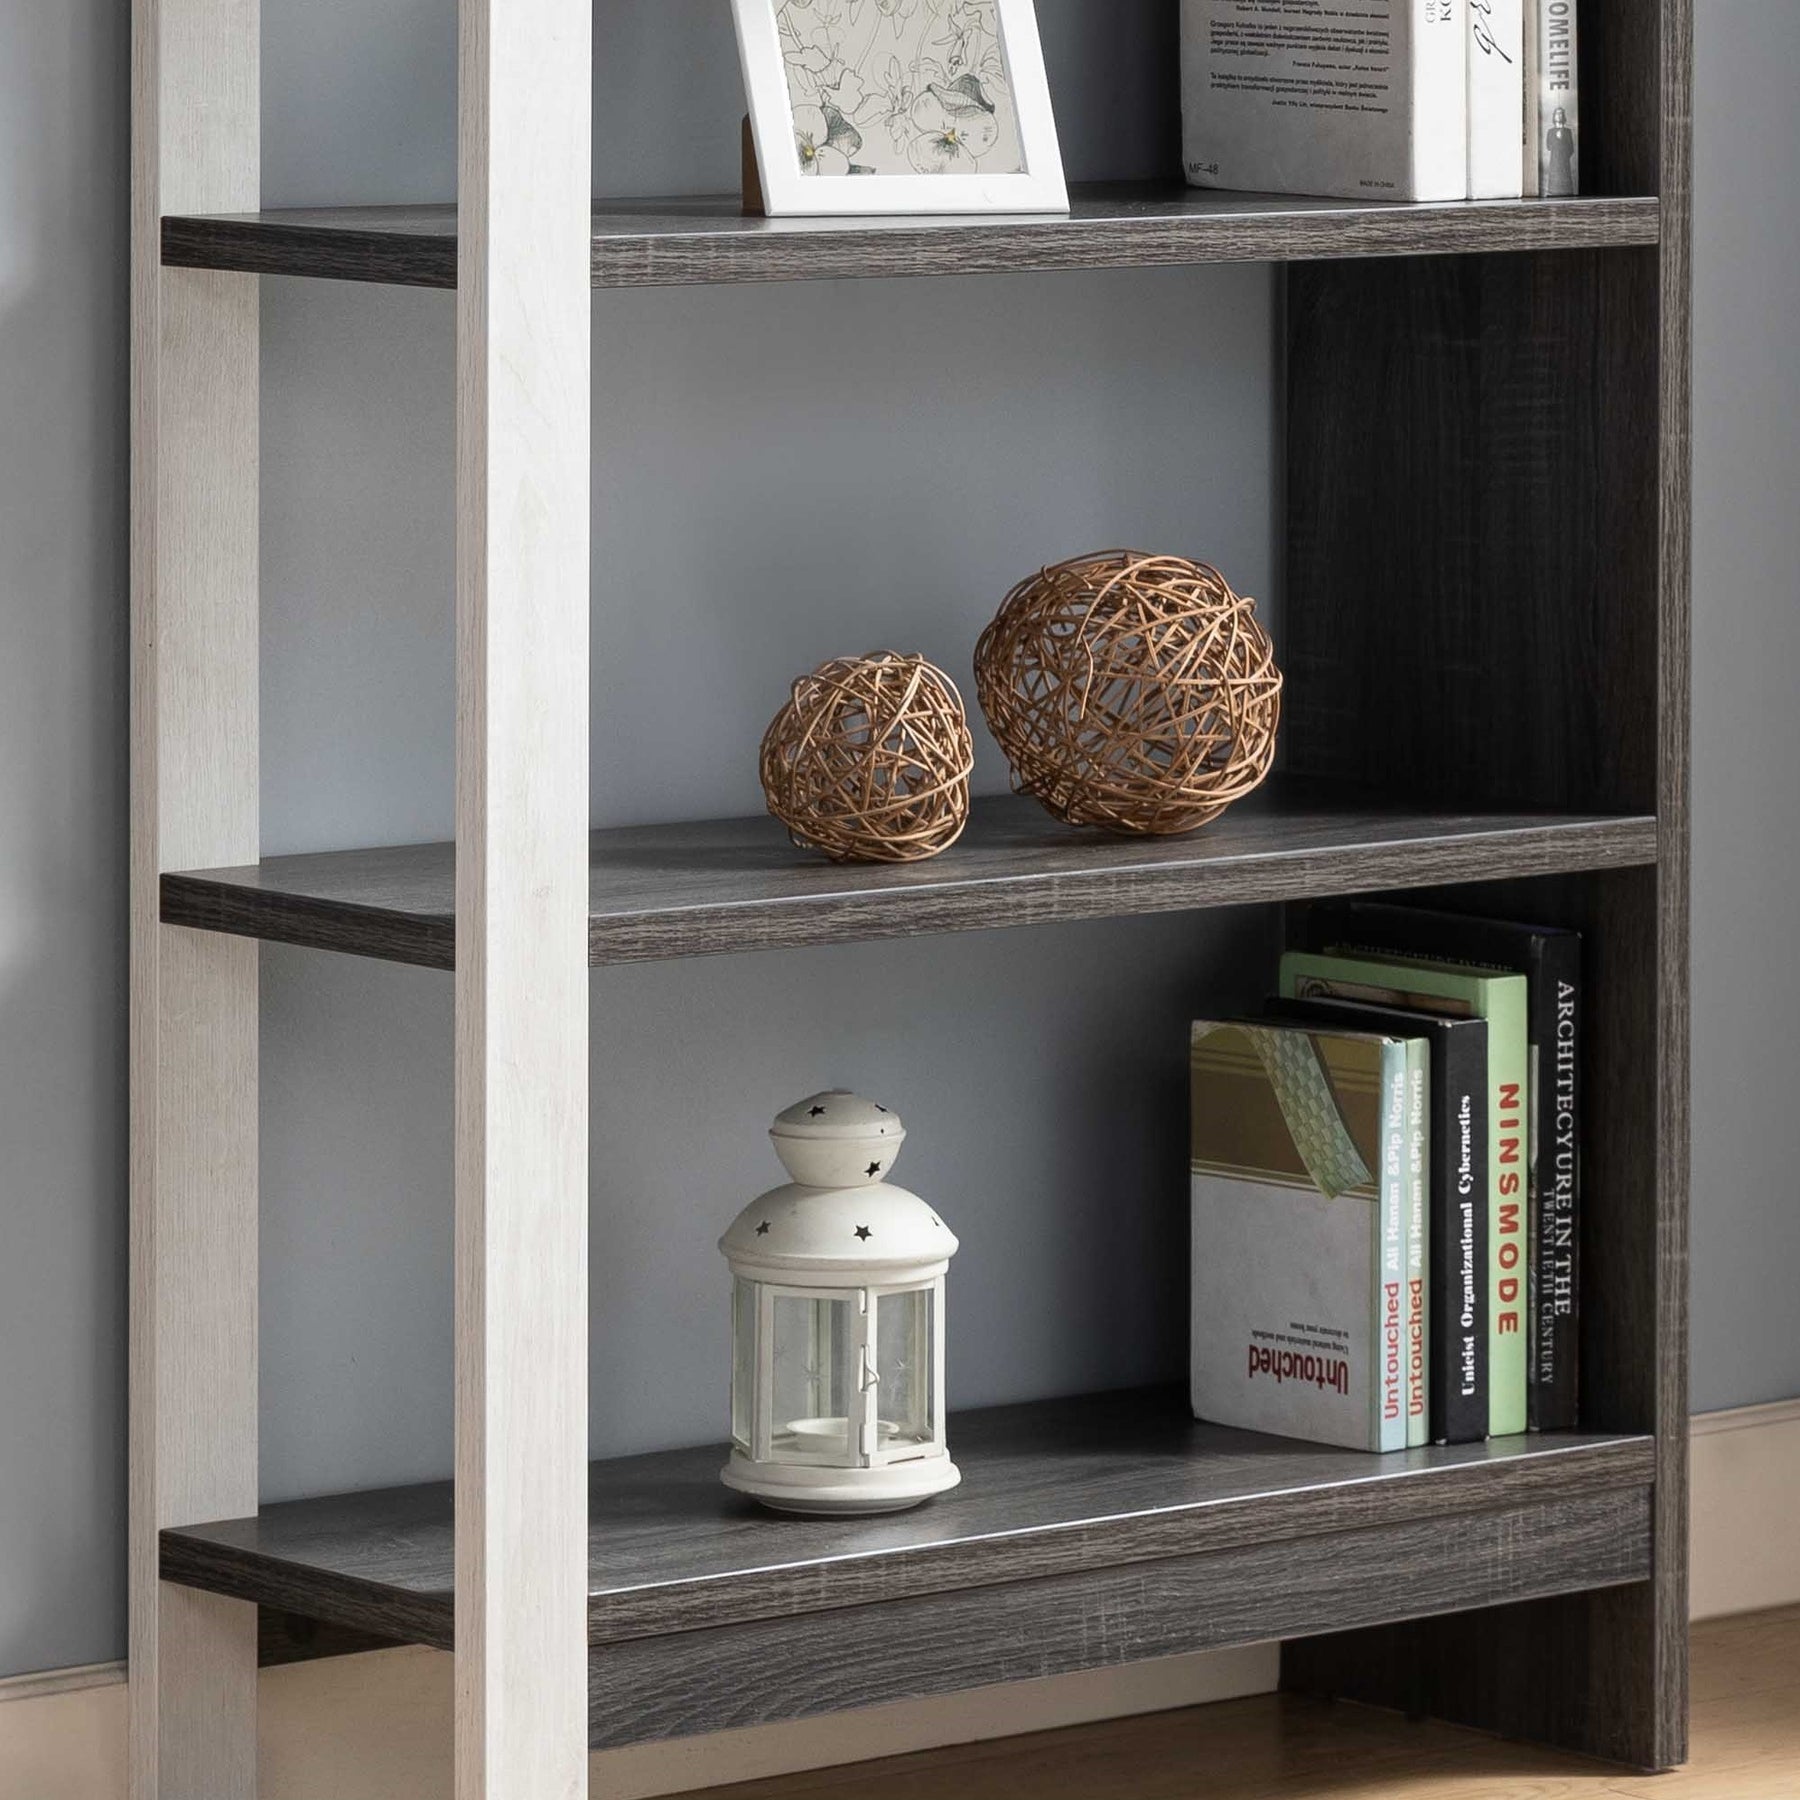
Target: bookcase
(1486, 639)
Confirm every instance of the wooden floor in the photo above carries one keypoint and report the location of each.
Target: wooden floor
(1746, 1746)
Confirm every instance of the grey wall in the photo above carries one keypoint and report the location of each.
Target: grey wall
(784, 474)
(1746, 795)
(62, 831)
(781, 475)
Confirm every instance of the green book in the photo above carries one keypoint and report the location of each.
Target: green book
(1457, 992)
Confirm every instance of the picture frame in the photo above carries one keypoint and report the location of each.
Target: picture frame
(861, 107)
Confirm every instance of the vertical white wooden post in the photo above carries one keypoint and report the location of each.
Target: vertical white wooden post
(523, 324)
(194, 435)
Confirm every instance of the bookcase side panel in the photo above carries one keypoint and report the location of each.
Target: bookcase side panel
(192, 1331)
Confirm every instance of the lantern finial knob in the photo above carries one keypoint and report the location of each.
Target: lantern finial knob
(837, 1140)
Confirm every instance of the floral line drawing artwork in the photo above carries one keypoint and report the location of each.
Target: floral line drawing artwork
(899, 87)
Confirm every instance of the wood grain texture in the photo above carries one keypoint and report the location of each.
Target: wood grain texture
(689, 890)
(1666, 1734)
(1289, 1747)
(523, 470)
(1050, 1488)
(669, 243)
(827, 1662)
(283, 1638)
(193, 1157)
(1472, 527)
(1537, 414)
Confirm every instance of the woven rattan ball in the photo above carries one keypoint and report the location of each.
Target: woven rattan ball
(870, 759)
(1137, 693)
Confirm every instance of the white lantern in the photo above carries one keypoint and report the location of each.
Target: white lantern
(837, 1384)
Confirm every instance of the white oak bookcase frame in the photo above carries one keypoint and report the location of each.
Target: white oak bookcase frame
(524, 314)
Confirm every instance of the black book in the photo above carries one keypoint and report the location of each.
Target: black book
(1457, 1232)
(1550, 959)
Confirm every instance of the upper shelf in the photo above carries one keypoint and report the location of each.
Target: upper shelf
(672, 243)
(664, 891)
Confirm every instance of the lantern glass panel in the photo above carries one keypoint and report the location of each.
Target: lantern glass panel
(743, 1364)
(904, 1346)
(814, 1390)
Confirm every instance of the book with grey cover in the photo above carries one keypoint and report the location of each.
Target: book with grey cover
(1552, 167)
(1299, 1252)
(1368, 102)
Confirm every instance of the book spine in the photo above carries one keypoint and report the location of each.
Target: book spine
(1529, 183)
(1459, 1220)
(1390, 1286)
(1496, 98)
(1556, 1048)
(1554, 108)
(1440, 99)
(1508, 1241)
(1418, 1163)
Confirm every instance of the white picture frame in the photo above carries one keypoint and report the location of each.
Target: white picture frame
(932, 84)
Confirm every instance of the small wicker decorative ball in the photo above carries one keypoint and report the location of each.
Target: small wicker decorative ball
(870, 760)
(1136, 693)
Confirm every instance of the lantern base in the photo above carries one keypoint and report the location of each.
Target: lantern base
(843, 1493)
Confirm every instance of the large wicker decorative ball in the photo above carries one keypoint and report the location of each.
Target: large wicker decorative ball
(870, 760)
(1136, 693)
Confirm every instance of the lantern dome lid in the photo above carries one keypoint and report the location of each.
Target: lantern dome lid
(853, 1235)
(837, 1140)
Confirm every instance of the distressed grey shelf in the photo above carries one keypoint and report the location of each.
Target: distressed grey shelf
(671, 243)
(687, 890)
(1087, 1531)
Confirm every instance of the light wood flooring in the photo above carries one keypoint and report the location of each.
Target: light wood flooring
(1745, 1746)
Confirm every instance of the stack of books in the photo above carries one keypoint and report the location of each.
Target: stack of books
(1386, 1169)
(1388, 99)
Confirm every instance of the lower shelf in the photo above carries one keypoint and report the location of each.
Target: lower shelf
(1087, 1533)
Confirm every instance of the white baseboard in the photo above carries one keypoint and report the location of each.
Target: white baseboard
(378, 1727)
(1743, 1545)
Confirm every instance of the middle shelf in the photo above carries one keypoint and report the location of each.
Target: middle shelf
(664, 891)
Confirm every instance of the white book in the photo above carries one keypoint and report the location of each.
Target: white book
(1496, 98)
(1317, 97)
(1552, 161)
(1299, 1239)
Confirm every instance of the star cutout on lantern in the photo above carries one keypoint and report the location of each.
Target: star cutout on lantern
(862, 1231)
(763, 1229)
(817, 1112)
(874, 1168)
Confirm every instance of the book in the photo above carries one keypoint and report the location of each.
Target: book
(1456, 1338)
(1367, 102)
(1501, 1000)
(1549, 957)
(1418, 1148)
(1298, 1246)
(1496, 98)
(1552, 161)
